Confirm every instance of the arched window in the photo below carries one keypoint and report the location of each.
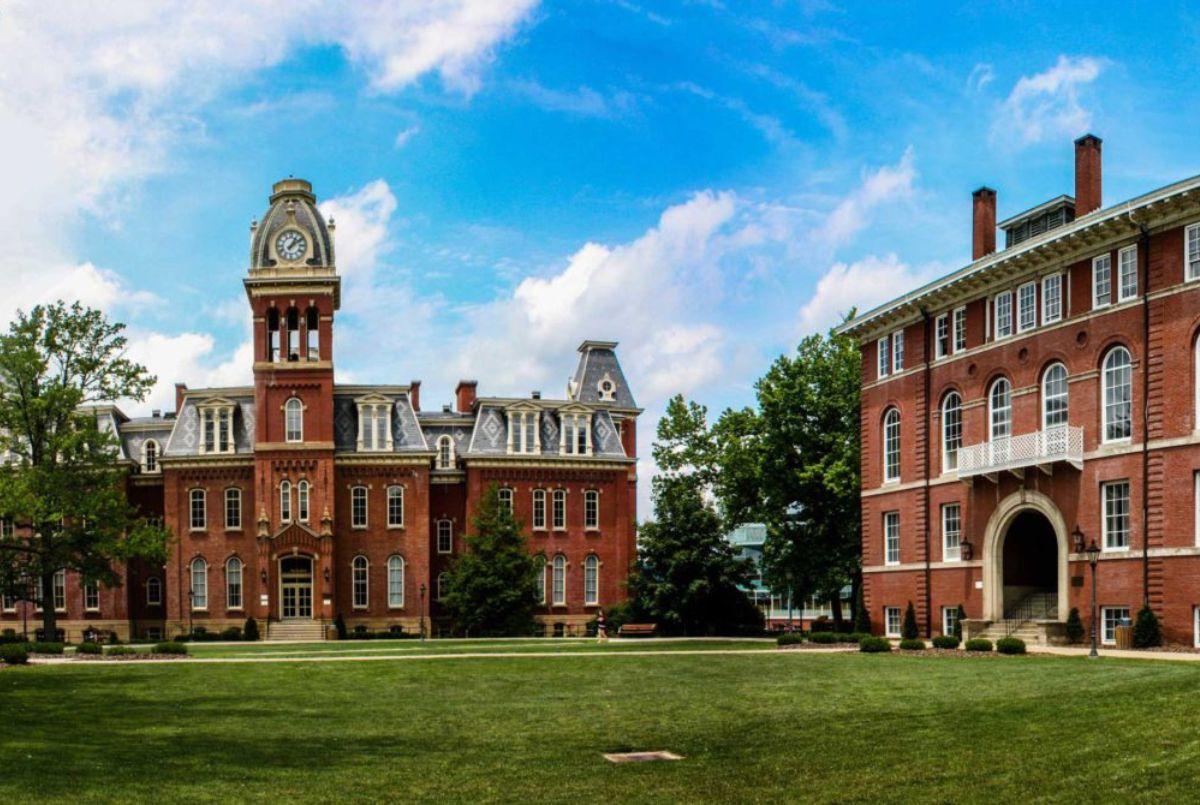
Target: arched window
(233, 583)
(1118, 395)
(150, 456)
(285, 501)
(540, 562)
(1054, 397)
(539, 510)
(293, 420)
(395, 506)
(891, 446)
(273, 334)
(199, 584)
(591, 509)
(559, 509)
(312, 328)
(358, 507)
(293, 327)
(302, 501)
(153, 592)
(359, 581)
(1000, 409)
(443, 580)
(591, 580)
(396, 582)
(559, 583)
(197, 519)
(233, 508)
(445, 453)
(951, 431)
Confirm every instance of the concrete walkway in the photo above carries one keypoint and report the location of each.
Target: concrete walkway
(1116, 653)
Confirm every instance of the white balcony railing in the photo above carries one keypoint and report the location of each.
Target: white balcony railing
(1041, 448)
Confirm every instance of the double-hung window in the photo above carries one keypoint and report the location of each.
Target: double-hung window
(1102, 280)
(891, 538)
(1052, 302)
(539, 510)
(949, 620)
(591, 509)
(951, 532)
(1026, 307)
(197, 515)
(1115, 497)
(1191, 246)
(395, 506)
(941, 328)
(891, 621)
(1127, 273)
(445, 536)
(1117, 383)
(91, 596)
(233, 508)
(881, 351)
(897, 350)
(358, 507)
(1112, 617)
(960, 329)
(559, 510)
(1003, 317)
(891, 446)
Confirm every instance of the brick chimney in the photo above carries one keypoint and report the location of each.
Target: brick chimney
(180, 390)
(414, 394)
(464, 395)
(1087, 174)
(983, 222)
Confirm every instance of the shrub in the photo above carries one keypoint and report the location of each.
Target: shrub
(250, 630)
(851, 637)
(170, 647)
(121, 651)
(979, 644)
(232, 633)
(912, 644)
(13, 654)
(1147, 633)
(361, 632)
(910, 631)
(10, 636)
(862, 618)
(46, 648)
(958, 621)
(88, 647)
(874, 645)
(946, 641)
(823, 637)
(113, 640)
(821, 624)
(395, 630)
(339, 623)
(1010, 645)
(790, 639)
(1074, 626)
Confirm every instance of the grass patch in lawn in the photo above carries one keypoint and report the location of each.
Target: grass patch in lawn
(767, 726)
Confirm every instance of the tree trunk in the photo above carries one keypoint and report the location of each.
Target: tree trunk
(835, 606)
(855, 595)
(49, 615)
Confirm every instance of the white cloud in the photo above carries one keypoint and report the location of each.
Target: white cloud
(862, 284)
(981, 75)
(888, 184)
(1047, 104)
(404, 135)
(583, 101)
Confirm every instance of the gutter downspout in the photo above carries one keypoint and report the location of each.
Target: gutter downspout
(1144, 259)
(925, 487)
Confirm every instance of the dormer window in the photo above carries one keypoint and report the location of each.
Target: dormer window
(575, 434)
(216, 427)
(523, 432)
(150, 456)
(606, 389)
(445, 453)
(375, 424)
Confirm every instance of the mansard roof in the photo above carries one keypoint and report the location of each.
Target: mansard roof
(598, 371)
(292, 204)
(406, 431)
(490, 434)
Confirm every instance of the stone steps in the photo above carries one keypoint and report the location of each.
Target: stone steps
(295, 630)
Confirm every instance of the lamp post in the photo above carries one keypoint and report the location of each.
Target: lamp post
(422, 611)
(1093, 555)
(191, 608)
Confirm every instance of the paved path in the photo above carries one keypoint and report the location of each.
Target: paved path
(1109, 653)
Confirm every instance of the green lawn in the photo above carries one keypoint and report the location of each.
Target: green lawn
(764, 726)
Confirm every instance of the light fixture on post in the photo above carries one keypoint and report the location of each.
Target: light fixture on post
(966, 550)
(1077, 538)
(1093, 556)
(422, 610)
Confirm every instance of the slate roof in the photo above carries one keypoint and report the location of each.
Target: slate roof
(597, 363)
(490, 436)
(294, 196)
(406, 432)
(185, 436)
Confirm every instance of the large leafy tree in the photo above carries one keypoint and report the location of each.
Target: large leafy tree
(62, 490)
(492, 586)
(688, 576)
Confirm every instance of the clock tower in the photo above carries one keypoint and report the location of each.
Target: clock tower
(294, 293)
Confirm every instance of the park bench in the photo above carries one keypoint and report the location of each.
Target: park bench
(638, 629)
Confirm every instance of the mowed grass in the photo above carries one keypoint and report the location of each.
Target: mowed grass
(762, 726)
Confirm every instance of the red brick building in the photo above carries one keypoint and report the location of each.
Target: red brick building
(298, 499)
(1039, 398)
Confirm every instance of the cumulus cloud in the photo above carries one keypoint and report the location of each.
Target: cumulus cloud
(980, 76)
(888, 184)
(1047, 104)
(404, 135)
(862, 284)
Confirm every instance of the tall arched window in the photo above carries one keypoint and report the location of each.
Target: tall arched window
(233, 583)
(445, 453)
(395, 506)
(285, 501)
(273, 334)
(1000, 409)
(951, 431)
(293, 420)
(199, 584)
(558, 509)
(150, 456)
(359, 581)
(396, 582)
(1118, 395)
(540, 563)
(591, 580)
(891, 446)
(1054, 397)
(559, 583)
(312, 334)
(443, 581)
(302, 501)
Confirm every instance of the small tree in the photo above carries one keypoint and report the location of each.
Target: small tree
(862, 618)
(1074, 626)
(492, 587)
(958, 621)
(1147, 633)
(339, 626)
(910, 631)
(250, 630)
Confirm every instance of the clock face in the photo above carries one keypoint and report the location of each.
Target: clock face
(290, 245)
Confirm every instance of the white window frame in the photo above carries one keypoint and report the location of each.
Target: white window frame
(374, 426)
(1052, 298)
(445, 535)
(217, 418)
(558, 510)
(1106, 389)
(591, 580)
(293, 420)
(395, 563)
(154, 583)
(1026, 304)
(524, 432)
(445, 452)
(1102, 286)
(360, 582)
(897, 351)
(952, 527)
(539, 510)
(302, 501)
(591, 510)
(443, 580)
(1047, 396)
(950, 456)
(1003, 318)
(285, 501)
(233, 494)
(558, 579)
(888, 629)
(891, 437)
(1110, 536)
(395, 506)
(1127, 273)
(359, 493)
(198, 570)
(542, 564)
(959, 330)
(941, 336)
(91, 596)
(883, 356)
(1108, 638)
(999, 414)
(1196, 507)
(949, 620)
(197, 523)
(151, 453)
(235, 593)
(1191, 252)
(1196, 627)
(505, 494)
(891, 538)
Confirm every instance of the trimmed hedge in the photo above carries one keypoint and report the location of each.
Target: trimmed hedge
(13, 654)
(46, 648)
(789, 639)
(912, 644)
(1010, 645)
(874, 645)
(250, 630)
(824, 637)
(170, 647)
(979, 644)
(121, 651)
(88, 648)
(946, 641)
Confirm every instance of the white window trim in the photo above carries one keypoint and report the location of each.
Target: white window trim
(946, 557)
(157, 601)
(991, 409)
(1104, 438)
(1187, 236)
(366, 508)
(594, 561)
(897, 351)
(1046, 395)
(438, 535)
(533, 499)
(887, 621)
(237, 492)
(1104, 487)
(192, 584)
(1047, 318)
(1096, 303)
(157, 468)
(943, 423)
(372, 408)
(287, 413)
(285, 501)
(399, 490)
(591, 494)
(1104, 640)
(946, 612)
(403, 568)
(89, 607)
(958, 324)
(241, 584)
(1034, 306)
(888, 478)
(354, 582)
(1196, 507)
(1196, 627)
(940, 349)
(1121, 297)
(996, 334)
(883, 355)
(555, 602)
(204, 508)
(215, 410)
(554, 521)
(449, 462)
(887, 560)
(529, 423)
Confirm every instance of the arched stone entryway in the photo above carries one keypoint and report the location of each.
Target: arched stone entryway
(1025, 556)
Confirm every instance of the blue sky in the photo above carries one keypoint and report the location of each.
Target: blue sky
(705, 182)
